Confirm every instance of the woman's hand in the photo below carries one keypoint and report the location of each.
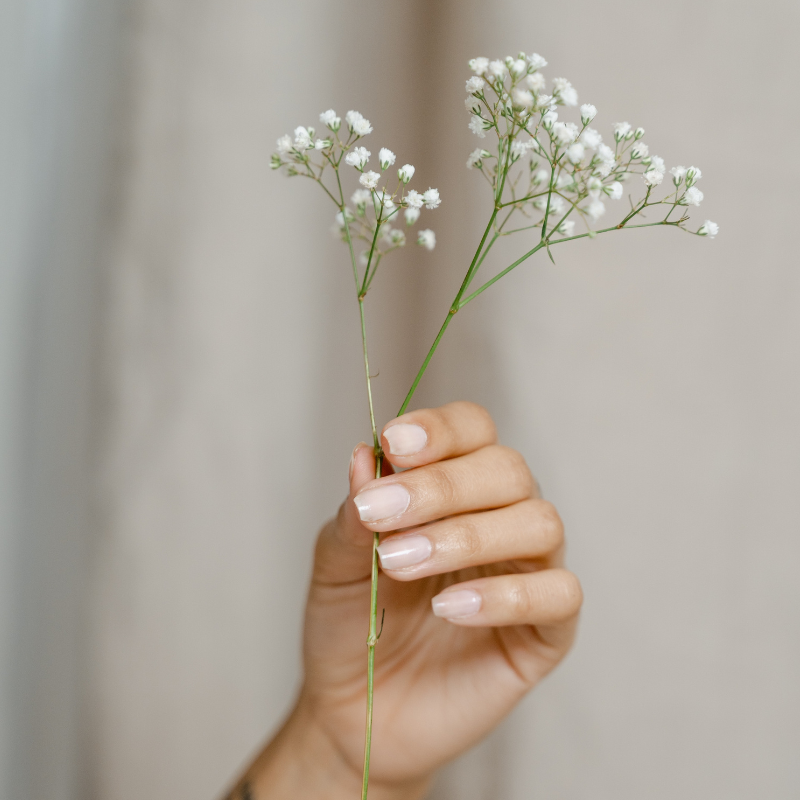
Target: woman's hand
(478, 609)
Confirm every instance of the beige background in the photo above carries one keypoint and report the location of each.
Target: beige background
(650, 378)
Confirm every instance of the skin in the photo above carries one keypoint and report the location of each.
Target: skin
(440, 684)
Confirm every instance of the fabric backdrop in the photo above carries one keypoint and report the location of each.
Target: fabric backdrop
(650, 379)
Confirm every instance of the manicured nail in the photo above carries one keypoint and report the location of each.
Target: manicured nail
(405, 439)
(353, 460)
(404, 551)
(460, 603)
(382, 502)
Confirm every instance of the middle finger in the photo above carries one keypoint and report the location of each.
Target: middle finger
(492, 477)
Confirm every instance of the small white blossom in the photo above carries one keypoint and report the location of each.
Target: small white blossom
(575, 152)
(518, 67)
(549, 119)
(693, 196)
(352, 117)
(393, 236)
(613, 190)
(540, 177)
(653, 177)
(431, 198)
(360, 197)
(386, 157)
(479, 65)
(567, 227)
(519, 149)
(535, 82)
(321, 144)
(640, 150)
(472, 104)
(565, 179)
(357, 157)
(657, 163)
(544, 102)
(678, 174)
(475, 84)
(709, 228)
(522, 98)
(405, 173)
(476, 126)
(411, 215)
(588, 113)
(607, 159)
(565, 132)
(594, 186)
(362, 127)
(475, 157)
(284, 145)
(427, 239)
(565, 91)
(595, 209)
(414, 199)
(621, 130)
(302, 138)
(341, 217)
(497, 69)
(591, 138)
(693, 174)
(536, 61)
(385, 199)
(330, 119)
(369, 180)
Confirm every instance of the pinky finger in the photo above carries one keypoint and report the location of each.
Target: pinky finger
(547, 597)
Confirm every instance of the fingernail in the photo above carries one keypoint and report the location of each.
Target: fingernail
(405, 439)
(404, 551)
(382, 502)
(353, 460)
(461, 603)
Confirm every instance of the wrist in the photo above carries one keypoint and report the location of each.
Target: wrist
(303, 761)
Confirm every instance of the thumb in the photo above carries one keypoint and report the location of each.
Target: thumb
(344, 547)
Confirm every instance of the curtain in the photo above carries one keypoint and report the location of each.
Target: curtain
(648, 377)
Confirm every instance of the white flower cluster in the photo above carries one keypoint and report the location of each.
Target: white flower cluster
(570, 169)
(375, 205)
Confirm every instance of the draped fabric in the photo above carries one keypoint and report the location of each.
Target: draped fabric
(649, 378)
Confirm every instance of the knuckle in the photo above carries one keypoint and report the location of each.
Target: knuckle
(550, 526)
(442, 485)
(468, 541)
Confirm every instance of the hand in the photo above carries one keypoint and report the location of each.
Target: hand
(478, 606)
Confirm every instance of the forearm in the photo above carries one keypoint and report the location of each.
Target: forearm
(302, 761)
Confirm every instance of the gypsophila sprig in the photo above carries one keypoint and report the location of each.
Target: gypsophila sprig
(552, 179)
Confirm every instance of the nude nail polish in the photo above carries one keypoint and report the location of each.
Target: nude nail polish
(405, 439)
(456, 604)
(382, 502)
(404, 551)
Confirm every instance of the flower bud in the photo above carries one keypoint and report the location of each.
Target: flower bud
(638, 133)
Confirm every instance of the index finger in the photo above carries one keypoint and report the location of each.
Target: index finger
(432, 434)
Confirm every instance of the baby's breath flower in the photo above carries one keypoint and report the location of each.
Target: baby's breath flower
(678, 174)
(595, 209)
(693, 174)
(567, 227)
(549, 119)
(321, 144)
(302, 138)
(369, 180)
(393, 236)
(613, 190)
(472, 105)
(594, 186)
(518, 67)
(414, 199)
(347, 214)
(385, 199)
(693, 196)
(588, 113)
(330, 119)
(362, 127)
(591, 138)
(474, 159)
(621, 130)
(541, 176)
(522, 98)
(657, 163)
(565, 92)
(575, 152)
(427, 238)
(411, 215)
(653, 177)
(431, 198)
(352, 117)
(284, 145)
(535, 82)
(709, 228)
(357, 157)
(479, 65)
(640, 150)
(360, 198)
(405, 173)
(518, 149)
(386, 157)
(638, 133)
(477, 127)
(565, 132)
(475, 84)
(536, 61)
(497, 69)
